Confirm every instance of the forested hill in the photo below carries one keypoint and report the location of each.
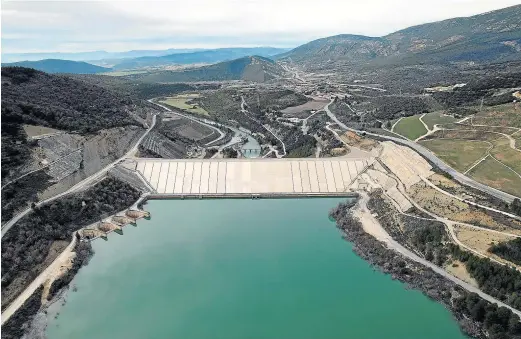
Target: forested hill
(60, 66)
(251, 68)
(34, 97)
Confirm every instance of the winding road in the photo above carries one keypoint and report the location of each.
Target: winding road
(221, 134)
(372, 226)
(432, 158)
(82, 183)
(40, 279)
(245, 111)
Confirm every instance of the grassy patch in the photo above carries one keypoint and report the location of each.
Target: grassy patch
(437, 118)
(501, 115)
(459, 154)
(492, 173)
(410, 127)
(504, 153)
(517, 138)
(182, 102)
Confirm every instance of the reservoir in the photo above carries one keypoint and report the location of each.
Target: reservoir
(238, 268)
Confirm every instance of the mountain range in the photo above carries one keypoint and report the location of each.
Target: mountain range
(493, 36)
(93, 55)
(485, 38)
(60, 66)
(251, 68)
(209, 57)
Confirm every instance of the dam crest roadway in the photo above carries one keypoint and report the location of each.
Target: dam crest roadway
(236, 177)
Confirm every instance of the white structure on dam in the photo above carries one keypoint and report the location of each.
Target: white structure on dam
(250, 176)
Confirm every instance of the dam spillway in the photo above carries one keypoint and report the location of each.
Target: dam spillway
(222, 177)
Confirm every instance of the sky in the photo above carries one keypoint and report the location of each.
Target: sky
(80, 26)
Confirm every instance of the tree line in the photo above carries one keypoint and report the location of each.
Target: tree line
(25, 247)
(476, 316)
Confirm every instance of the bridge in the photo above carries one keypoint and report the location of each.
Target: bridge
(230, 177)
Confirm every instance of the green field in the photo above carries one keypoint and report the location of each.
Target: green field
(492, 173)
(517, 137)
(181, 102)
(437, 118)
(500, 115)
(459, 154)
(504, 153)
(410, 127)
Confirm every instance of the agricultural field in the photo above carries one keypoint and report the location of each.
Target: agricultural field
(410, 127)
(437, 118)
(459, 154)
(501, 115)
(494, 174)
(507, 155)
(183, 102)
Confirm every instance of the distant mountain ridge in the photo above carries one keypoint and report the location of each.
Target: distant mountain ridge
(60, 66)
(208, 56)
(94, 55)
(250, 68)
(492, 36)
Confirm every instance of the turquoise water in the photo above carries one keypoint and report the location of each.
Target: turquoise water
(241, 269)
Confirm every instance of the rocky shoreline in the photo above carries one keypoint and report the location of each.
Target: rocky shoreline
(401, 268)
(26, 321)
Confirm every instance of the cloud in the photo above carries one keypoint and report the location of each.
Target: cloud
(71, 26)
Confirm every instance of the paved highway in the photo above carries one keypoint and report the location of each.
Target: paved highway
(82, 183)
(431, 157)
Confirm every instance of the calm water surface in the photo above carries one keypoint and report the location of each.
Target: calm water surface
(241, 269)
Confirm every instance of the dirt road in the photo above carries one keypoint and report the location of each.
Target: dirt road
(82, 183)
(432, 158)
(20, 300)
(372, 226)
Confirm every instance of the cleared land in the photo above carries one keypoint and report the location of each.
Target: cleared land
(459, 154)
(173, 126)
(410, 127)
(123, 73)
(481, 240)
(34, 131)
(453, 209)
(308, 106)
(492, 173)
(458, 269)
(182, 101)
(353, 139)
(437, 118)
(506, 154)
(501, 115)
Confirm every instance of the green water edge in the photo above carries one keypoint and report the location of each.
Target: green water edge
(238, 268)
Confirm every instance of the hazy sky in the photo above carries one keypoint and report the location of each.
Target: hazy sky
(74, 26)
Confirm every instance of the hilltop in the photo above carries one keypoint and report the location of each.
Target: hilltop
(492, 36)
(207, 57)
(60, 66)
(251, 68)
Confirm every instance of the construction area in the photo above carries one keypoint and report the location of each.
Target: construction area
(253, 176)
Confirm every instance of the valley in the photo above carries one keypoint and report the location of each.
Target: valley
(420, 129)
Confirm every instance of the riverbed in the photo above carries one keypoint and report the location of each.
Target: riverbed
(269, 268)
